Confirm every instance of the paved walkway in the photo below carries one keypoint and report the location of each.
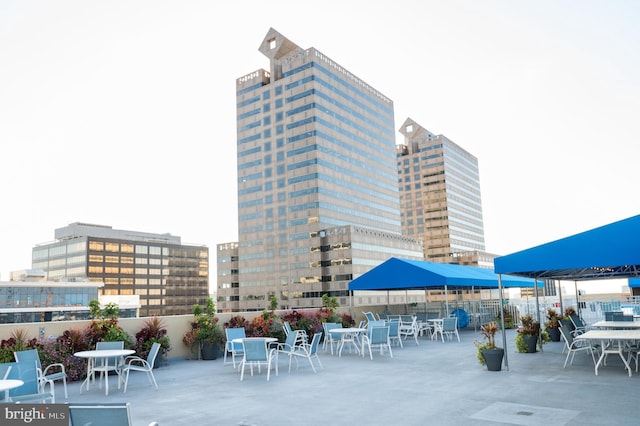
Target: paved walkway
(435, 383)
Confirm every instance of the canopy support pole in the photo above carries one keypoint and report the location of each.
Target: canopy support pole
(575, 283)
(560, 297)
(446, 300)
(535, 289)
(426, 300)
(504, 334)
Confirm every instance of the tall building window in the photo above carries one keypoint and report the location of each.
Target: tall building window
(112, 247)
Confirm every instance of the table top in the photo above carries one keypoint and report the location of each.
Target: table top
(348, 330)
(267, 339)
(616, 324)
(104, 353)
(610, 334)
(7, 384)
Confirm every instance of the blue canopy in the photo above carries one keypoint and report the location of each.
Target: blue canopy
(405, 274)
(610, 251)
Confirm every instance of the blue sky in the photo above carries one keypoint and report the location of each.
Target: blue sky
(122, 113)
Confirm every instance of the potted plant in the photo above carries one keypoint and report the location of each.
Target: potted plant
(553, 324)
(566, 318)
(205, 331)
(487, 352)
(508, 318)
(528, 335)
(153, 330)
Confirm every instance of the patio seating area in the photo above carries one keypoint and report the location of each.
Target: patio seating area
(429, 383)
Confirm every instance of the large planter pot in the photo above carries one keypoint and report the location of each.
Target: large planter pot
(493, 358)
(209, 351)
(532, 343)
(554, 333)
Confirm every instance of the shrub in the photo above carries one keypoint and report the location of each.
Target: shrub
(18, 341)
(153, 330)
(56, 350)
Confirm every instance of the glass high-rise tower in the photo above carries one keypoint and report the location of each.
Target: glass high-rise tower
(440, 197)
(318, 200)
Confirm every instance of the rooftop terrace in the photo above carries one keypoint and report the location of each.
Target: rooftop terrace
(434, 383)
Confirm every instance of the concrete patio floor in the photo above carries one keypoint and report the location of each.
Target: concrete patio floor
(434, 383)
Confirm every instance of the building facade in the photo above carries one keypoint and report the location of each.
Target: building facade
(440, 200)
(40, 301)
(168, 276)
(316, 167)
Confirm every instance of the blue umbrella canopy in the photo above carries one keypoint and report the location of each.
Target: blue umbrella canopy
(610, 251)
(406, 274)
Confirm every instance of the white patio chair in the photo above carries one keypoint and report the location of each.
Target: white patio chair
(424, 327)
(449, 328)
(369, 316)
(100, 414)
(394, 332)
(51, 374)
(257, 354)
(5, 369)
(31, 391)
(302, 334)
(308, 351)
(579, 324)
(106, 365)
(135, 363)
(409, 327)
(235, 349)
(329, 338)
(377, 337)
(574, 346)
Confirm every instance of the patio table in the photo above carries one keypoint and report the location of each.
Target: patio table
(7, 384)
(349, 335)
(611, 342)
(617, 324)
(103, 354)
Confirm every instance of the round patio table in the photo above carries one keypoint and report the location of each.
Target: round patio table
(7, 384)
(349, 335)
(92, 356)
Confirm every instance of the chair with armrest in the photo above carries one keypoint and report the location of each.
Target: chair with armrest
(301, 334)
(369, 316)
(52, 373)
(289, 345)
(308, 351)
(394, 332)
(100, 414)
(257, 354)
(572, 346)
(287, 328)
(377, 337)
(409, 327)
(31, 390)
(135, 363)
(329, 338)
(5, 368)
(450, 328)
(579, 324)
(235, 349)
(423, 324)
